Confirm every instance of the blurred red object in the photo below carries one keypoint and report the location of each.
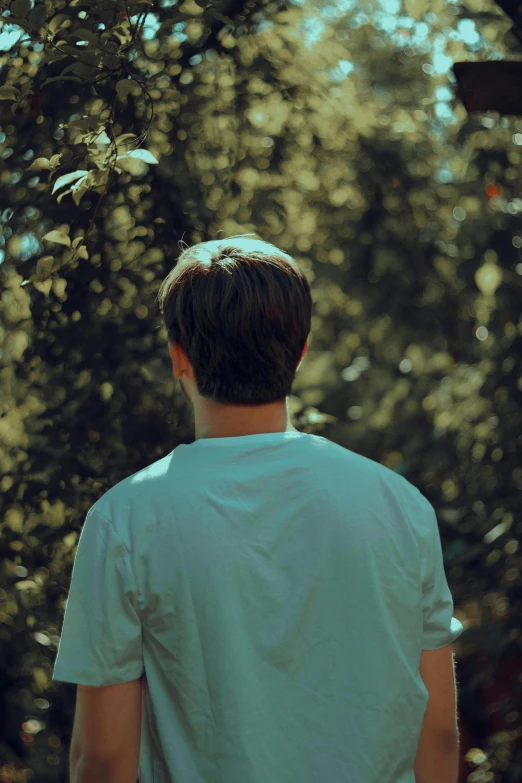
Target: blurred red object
(35, 106)
(492, 191)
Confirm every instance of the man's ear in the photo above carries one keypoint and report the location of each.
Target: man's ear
(176, 354)
(180, 361)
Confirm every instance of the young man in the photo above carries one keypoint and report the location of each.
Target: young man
(262, 605)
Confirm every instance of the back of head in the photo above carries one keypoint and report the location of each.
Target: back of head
(241, 310)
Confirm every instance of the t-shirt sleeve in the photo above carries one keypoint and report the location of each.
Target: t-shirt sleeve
(101, 639)
(439, 626)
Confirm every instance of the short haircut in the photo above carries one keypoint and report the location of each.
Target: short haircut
(241, 310)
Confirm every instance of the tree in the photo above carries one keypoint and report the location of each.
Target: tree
(339, 142)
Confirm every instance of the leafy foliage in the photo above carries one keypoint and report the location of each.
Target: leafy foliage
(125, 126)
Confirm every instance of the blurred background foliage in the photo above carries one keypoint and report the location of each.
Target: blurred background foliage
(331, 130)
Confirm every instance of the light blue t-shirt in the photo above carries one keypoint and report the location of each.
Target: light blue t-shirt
(276, 590)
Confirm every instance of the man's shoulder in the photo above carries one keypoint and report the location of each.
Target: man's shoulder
(370, 468)
(139, 485)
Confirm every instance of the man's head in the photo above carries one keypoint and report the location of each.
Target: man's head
(237, 313)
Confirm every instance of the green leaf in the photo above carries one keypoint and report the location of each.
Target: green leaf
(66, 179)
(75, 51)
(124, 38)
(221, 17)
(54, 56)
(59, 237)
(20, 8)
(80, 69)
(111, 60)
(43, 287)
(124, 87)
(417, 9)
(94, 121)
(125, 139)
(144, 155)
(44, 267)
(77, 195)
(9, 94)
(81, 187)
(38, 15)
(38, 164)
(100, 177)
(57, 22)
(25, 24)
(83, 34)
(83, 123)
(63, 78)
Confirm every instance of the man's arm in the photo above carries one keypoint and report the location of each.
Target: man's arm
(105, 745)
(437, 759)
(94, 772)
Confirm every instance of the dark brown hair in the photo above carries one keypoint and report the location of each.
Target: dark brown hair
(241, 310)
